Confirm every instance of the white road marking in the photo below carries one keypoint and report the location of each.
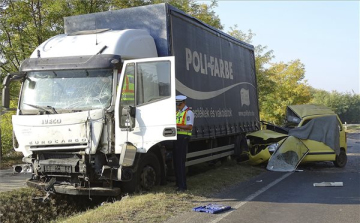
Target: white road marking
(251, 197)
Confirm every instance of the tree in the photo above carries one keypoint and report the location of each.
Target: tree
(25, 24)
(240, 35)
(279, 84)
(290, 88)
(201, 11)
(346, 105)
(263, 58)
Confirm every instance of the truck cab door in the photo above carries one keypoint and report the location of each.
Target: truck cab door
(145, 111)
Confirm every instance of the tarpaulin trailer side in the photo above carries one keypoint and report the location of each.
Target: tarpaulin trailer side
(217, 73)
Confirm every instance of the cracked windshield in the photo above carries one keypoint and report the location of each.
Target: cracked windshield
(69, 89)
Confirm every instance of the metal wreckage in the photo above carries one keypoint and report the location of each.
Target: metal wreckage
(310, 133)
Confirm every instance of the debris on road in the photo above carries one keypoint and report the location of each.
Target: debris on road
(329, 184)
(212, 208)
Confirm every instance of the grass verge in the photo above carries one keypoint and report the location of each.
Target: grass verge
(19, 206)
(8, 161)
(353, 128)
(164, 202)
(155, 206)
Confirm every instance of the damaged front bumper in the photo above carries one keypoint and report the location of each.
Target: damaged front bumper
(261, 157)
(72, 190)
(22, 168)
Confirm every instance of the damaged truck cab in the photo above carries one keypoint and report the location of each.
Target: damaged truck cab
(65, 124)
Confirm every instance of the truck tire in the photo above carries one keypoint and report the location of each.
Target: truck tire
(341, 159)
(149, 171)
(146, 177)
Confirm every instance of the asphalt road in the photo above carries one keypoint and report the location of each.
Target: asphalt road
(11, 181)
(291, 197)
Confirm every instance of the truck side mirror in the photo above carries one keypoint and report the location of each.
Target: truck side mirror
(6, 97)
(128, 111)
(6, 92)
(132, 111)
(6, 89)
(125, 111)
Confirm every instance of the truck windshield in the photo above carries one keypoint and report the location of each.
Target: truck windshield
(67, 89)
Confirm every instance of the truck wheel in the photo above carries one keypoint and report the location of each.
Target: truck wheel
(146, 177)
(341, 159)
(149, 171)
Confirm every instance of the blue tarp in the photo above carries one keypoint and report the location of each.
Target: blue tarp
(212, 208)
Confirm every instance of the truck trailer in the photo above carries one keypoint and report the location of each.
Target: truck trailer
(97, 114)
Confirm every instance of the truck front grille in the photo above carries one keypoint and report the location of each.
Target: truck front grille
(59, 147)
(60, 156)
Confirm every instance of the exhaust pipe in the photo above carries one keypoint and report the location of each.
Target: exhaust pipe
(22, 168)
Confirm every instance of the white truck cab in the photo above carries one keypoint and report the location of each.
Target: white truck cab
(71, 106)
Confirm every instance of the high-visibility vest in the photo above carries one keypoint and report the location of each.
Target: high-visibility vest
(128, 93)
(181, 120)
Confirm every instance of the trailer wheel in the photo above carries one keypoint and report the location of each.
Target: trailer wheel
(341, 159)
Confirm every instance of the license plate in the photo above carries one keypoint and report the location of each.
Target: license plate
(57, 168)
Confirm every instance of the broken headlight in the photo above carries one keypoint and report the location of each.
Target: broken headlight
(248, 142)
(272, 148)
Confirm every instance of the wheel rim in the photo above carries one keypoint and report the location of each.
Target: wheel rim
(148, 178)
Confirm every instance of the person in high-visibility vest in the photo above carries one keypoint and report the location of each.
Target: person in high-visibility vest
(184, 123)
(127, 93)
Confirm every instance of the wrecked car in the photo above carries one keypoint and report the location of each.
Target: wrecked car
(310, 133)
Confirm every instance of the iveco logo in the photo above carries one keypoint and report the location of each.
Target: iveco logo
(50, 121)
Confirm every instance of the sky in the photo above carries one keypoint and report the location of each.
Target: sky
(323, 35)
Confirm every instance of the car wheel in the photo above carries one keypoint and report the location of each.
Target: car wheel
(341, 159)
